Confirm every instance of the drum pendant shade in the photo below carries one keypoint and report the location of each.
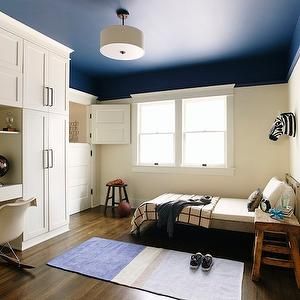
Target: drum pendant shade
(122, 42)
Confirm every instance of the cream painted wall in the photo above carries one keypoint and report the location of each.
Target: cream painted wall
(294, 103)
(257, 158)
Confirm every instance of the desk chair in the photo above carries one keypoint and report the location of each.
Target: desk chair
(12, 226)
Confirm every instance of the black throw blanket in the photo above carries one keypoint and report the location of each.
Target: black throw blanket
(169, 211)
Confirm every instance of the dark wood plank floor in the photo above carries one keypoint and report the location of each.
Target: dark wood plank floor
(45, 282)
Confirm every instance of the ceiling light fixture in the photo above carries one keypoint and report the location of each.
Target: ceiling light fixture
(122, 42)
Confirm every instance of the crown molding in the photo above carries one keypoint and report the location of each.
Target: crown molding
(206, 91)
(81, 97)
(10, 24)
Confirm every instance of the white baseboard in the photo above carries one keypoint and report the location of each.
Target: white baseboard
(42, 238)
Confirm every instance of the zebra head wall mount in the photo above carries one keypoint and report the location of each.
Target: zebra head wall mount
(285, 123)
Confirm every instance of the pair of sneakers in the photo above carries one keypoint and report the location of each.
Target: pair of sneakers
(206, 261)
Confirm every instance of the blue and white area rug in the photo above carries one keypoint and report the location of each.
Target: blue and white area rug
(156, 270)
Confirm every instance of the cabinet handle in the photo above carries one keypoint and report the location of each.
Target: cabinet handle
(51, 156)
(52, 97)
(46, 96)
(46, 159)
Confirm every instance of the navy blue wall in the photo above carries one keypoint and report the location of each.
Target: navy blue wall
(266, 69)
(294, 49)
(81, 81)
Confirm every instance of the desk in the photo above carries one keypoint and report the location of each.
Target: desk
(280, 237)
(8, 192)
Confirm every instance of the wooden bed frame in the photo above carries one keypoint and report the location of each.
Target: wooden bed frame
(249, 226)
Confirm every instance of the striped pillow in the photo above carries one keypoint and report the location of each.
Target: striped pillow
(254, 200)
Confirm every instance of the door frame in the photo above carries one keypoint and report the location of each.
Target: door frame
(86, 99)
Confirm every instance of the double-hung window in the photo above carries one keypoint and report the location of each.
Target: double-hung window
(193, 133)
(156, 133)
(204, 132)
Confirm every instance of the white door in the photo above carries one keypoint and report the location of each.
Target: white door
(35, 173)
(36, 92)
(58, 215)
(57, 83)
(79, 183)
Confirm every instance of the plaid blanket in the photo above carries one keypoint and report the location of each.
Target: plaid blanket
(194, 215)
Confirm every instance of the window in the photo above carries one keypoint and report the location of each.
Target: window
(156, 133)
(204, 131)
(191, 134)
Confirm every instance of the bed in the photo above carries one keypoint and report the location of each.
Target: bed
(221, 213)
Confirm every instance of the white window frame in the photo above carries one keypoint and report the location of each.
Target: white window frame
(178, 95)
(138, 135)
(184, 132)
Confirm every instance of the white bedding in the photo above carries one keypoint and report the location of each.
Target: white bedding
(232, 209)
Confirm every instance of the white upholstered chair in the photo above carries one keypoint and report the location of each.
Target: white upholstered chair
(12, 226)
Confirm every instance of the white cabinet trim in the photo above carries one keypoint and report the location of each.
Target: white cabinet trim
(80, 97)
(33, 35)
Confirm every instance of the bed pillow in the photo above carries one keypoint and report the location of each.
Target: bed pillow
(273, 191)
(254, 200)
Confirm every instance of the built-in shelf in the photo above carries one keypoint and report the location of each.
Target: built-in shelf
(9, 132)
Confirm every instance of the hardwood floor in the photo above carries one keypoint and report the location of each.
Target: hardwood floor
(45, 282)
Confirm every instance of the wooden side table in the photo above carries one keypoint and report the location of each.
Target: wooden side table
(280, 237)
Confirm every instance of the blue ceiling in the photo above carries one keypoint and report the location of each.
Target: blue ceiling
(187, 43)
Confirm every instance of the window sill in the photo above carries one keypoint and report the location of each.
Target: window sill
(185, 170)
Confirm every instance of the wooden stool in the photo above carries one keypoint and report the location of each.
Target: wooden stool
(111, 188)
(280, 237)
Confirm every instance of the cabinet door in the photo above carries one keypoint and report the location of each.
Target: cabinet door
(10, 88)
(35, 174)
(58, 69)
(11, 51)
(11, 48)
(35, 77)
(58, 215)
(110, 124)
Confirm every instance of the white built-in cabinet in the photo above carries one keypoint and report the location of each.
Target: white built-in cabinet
(57, 164)
(44, 171)
(45, 142)
(110, 124)
(11, 54)
(34, 75)
(35, 173)
(45, 79)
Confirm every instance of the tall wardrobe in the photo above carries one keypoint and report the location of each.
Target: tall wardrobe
(34, 78)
